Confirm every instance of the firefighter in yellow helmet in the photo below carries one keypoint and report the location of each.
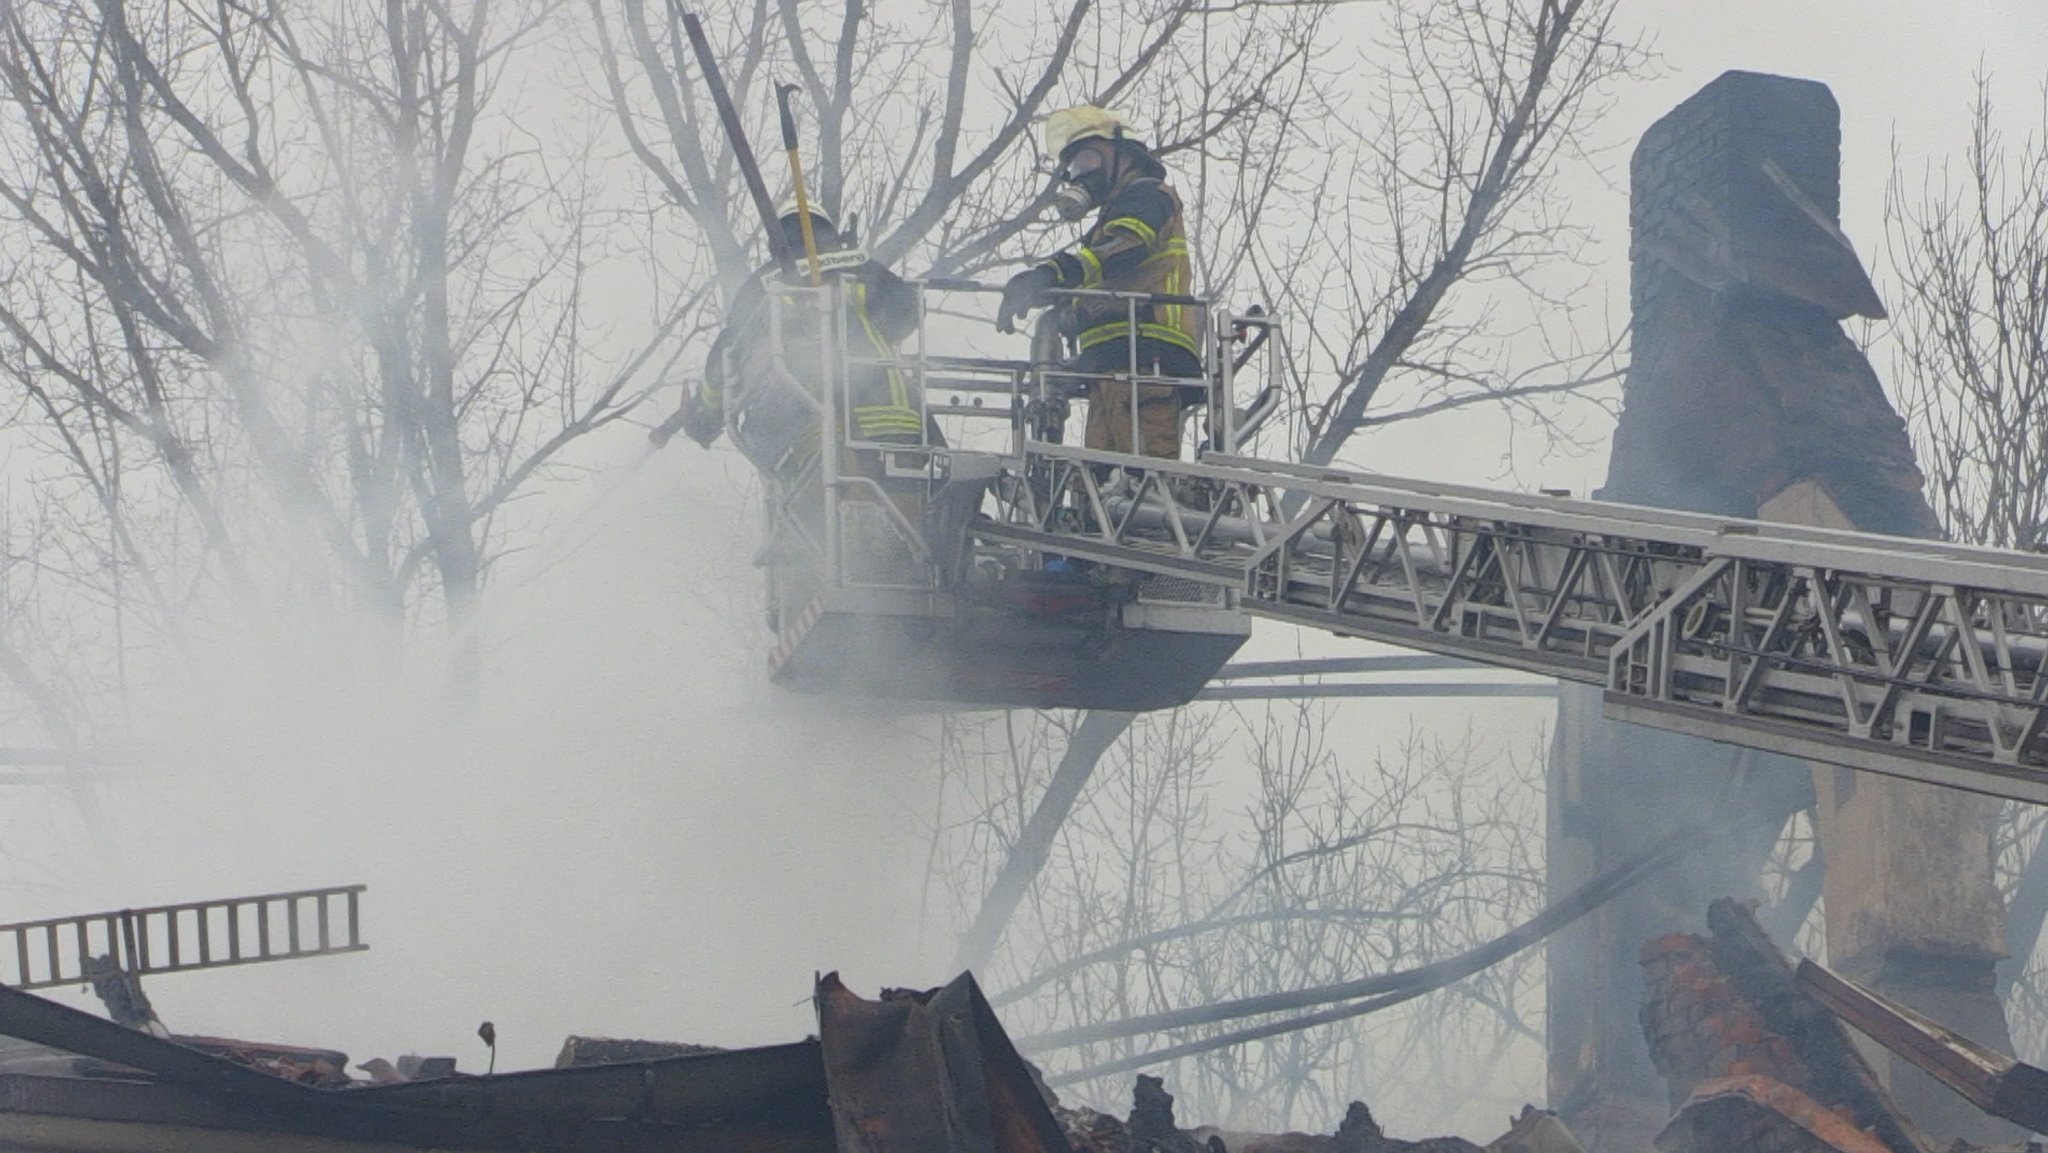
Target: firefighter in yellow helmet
(1135, 244)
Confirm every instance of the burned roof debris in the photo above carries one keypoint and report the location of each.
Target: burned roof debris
(579, 1051)
(909, 1072)
(1752, 1050)
(1757, 1056)
(1726, 1006)
(2005, 1088)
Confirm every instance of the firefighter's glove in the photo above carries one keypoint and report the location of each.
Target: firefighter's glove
(1025, 291)
(701, 422)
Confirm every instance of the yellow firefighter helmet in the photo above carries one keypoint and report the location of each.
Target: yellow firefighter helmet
(1070, 126)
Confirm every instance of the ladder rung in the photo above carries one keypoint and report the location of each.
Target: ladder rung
(160, 940)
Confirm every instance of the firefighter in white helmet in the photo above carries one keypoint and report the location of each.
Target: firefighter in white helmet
(1135, 244)
(881, 309)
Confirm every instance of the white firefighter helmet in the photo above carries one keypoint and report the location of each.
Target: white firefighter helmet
(787, 210)
(1070, 126)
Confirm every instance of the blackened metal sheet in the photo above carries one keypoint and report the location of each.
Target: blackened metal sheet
(928, 1072)
(784, 1083)
(31, 1018)
(131, 1101)
(767, 1100)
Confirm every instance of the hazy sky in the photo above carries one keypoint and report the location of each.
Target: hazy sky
(646, 840)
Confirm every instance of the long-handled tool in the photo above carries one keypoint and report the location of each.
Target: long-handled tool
(750, 173)
(796, 177)
(743, 155)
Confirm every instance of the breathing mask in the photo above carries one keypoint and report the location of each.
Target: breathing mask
(1072, 201)
(1084, 185)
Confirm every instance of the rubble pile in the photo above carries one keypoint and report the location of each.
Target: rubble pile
(1151, 1129)
(579, 1051)
(1700, 1028)
(1750, 1060)
(1755, 1056)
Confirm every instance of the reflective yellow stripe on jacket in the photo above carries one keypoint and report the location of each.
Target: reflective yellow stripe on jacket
(882, 404)
(1166, 270)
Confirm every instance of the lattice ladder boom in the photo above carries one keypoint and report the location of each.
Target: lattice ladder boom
(1920, 659)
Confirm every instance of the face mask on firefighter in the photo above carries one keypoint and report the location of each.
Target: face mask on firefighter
(1084, 184)
(822, 233)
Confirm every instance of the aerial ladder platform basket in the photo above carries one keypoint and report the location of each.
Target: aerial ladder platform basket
(880, 581)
